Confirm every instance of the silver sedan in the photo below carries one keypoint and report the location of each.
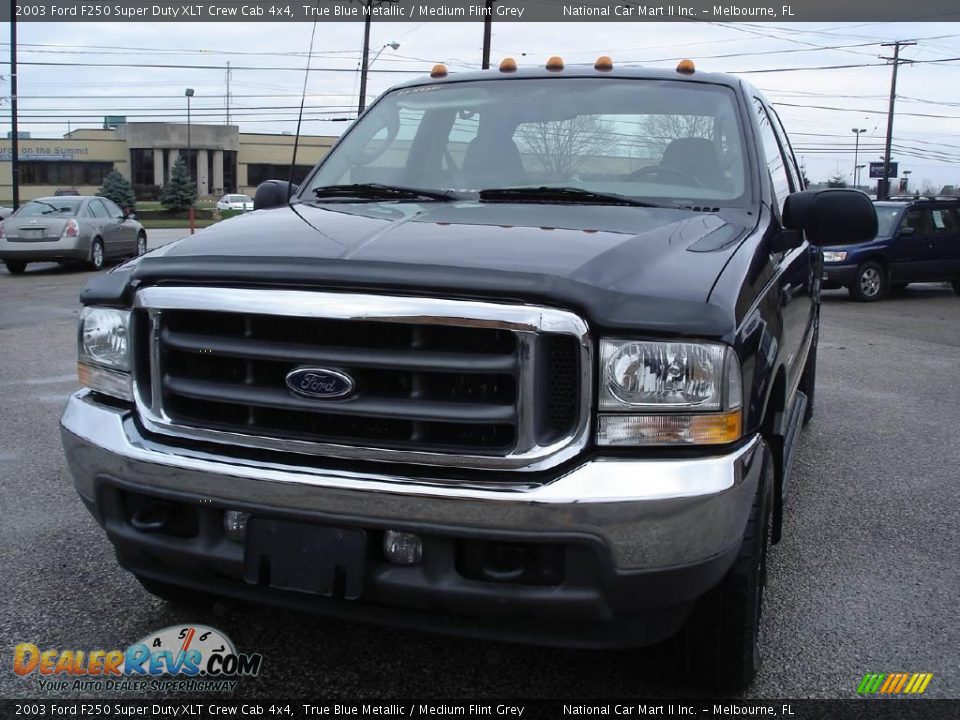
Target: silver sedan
(63, 229)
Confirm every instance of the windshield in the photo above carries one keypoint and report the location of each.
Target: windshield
(663, 140)
(50, 207)
(239, 198)
(887, 219)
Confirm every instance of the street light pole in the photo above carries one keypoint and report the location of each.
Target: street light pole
(189, 94)
(392, 45)
(15, 135)
(856, 151)
(367, 65)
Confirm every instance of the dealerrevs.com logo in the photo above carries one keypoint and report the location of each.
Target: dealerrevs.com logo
(193, 658)
(894, 683)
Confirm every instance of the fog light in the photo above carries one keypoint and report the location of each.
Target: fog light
(402, 548)
(235, 525)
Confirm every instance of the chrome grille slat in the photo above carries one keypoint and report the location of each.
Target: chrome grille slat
(398, 360)
(400, 408)
(440, 382)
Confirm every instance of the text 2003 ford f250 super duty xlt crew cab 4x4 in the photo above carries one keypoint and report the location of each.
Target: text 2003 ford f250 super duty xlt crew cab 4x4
(525, 356)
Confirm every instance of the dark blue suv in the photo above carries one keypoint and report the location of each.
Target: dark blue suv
(918, 240)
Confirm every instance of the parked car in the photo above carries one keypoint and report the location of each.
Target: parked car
(66, 192)
(235, 202)
(918, 240)
(69, 228)
(480, 380)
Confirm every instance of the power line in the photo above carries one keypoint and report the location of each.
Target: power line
(172, 66)
(865, 111)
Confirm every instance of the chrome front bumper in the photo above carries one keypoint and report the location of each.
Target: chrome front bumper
(650, 513)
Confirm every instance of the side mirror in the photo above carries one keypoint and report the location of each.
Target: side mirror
(831, 217)
(273, 193)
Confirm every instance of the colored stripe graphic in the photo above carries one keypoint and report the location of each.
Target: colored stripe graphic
(894, 683)
(870, 683)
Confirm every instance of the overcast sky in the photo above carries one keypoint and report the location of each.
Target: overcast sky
(926, 133)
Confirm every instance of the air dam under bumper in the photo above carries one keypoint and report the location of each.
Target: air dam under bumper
(839, 275)
(616, 550)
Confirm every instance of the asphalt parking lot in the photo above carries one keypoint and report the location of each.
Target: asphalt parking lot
(865, 580)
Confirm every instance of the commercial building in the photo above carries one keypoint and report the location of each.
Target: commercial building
(222, 159)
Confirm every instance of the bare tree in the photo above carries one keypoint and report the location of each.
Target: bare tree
(561, 147)
(661, 130)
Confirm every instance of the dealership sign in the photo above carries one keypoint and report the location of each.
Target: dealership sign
(876, 170)
(44, 152)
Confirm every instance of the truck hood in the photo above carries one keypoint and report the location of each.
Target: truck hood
(612, 262)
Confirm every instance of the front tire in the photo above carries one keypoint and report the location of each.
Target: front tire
(870, 282)
(955, 283)
(141, 244)
(722, 636)
(95, 259)
(15, 267)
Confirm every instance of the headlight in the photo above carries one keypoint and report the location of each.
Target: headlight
(666, 393)
(833, 256)
(104, 351)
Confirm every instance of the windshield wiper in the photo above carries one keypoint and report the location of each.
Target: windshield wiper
(378, 191)
(53, 208)
(574, 195)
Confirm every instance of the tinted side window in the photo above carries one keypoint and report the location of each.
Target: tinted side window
(774, 157)
(112, 208)
(98, 209)
(944, 221)
(919, 220)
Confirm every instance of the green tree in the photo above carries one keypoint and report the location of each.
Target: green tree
(837, 181)
(116, 188)
(180, 193)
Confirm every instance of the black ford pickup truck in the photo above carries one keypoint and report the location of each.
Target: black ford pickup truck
(526, 356)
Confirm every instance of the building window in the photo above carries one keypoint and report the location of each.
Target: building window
(66, 173)
(141, 166)
(229, 171)
(260, 172)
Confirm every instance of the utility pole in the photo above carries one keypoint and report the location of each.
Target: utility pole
(365, 65)
(228, 92)
(15, 138)
(883, 188)
(487, 27)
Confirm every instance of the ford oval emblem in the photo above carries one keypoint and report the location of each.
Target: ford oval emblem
(319, 383)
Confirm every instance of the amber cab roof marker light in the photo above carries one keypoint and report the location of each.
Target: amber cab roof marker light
(508, 65)
(439, 71)
(555, 63)
(603, 63)
(686, 67)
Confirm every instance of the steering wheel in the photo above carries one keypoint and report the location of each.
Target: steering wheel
(664, 173)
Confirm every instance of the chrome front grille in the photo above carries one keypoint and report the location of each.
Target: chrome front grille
(440, 382)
